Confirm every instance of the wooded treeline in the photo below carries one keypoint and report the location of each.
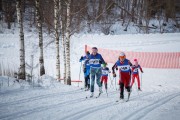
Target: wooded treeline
(90, 13)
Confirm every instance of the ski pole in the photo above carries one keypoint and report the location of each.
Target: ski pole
(115, 81)
(106, 92)
(80, 73)
(136, 88)
(111, 81)
(141, 80)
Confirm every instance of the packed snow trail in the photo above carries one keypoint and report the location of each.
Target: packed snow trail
(69, 103)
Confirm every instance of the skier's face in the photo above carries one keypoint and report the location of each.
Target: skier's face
(122, 58)
(94, 51)
(136, 63)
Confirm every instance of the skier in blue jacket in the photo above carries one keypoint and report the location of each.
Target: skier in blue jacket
(86, 70)
(95, 61)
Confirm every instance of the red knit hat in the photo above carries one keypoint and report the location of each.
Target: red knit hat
(135, 62)
(135, 59)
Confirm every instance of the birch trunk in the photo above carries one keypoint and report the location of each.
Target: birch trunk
(63, 41)
(56, 23)
(39, 26)
(22, 72)
(64, 54)
(68, 70)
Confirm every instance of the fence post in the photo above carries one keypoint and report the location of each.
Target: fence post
(85, 48)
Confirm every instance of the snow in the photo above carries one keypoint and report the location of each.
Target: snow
(67, 102)
(47, 99)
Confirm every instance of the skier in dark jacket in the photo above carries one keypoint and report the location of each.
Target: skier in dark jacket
(86, 70)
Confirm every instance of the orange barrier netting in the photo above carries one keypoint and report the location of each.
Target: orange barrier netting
(145, 59)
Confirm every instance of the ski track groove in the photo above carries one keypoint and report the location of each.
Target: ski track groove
(87, 111)
(40, 109)
(13, 91)
(38, 98)
(142, 112)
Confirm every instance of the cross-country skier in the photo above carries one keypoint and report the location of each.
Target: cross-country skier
(86, 69)
(124, 73)
(95, 61)
(135, 73)
(104, 76)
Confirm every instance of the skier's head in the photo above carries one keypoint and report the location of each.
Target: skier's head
(135, 62)
(122, 56)
(94, 50)
(87, 53)
(104, 65)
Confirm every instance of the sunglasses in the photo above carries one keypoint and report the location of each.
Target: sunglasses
(122, 57)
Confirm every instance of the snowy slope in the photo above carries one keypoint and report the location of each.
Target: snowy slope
(159, 100)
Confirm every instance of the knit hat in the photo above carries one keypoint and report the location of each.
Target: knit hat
(122, 54)
(135, 61)
(87, 52)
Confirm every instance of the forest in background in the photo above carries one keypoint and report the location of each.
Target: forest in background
(98, 15)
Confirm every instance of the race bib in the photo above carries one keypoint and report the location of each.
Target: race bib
(124, 67)
(105, 72)
(94, 61)
(136, 70)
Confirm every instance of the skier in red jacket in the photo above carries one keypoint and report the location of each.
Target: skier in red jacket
(124, 73)
(135, 73)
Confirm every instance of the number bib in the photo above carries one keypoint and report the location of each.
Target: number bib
(94, 61)
(135, 70)
(124, 68)
(105, 72)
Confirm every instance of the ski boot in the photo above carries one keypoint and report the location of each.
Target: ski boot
(92, 94)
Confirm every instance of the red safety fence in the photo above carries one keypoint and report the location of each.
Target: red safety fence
(145, 59)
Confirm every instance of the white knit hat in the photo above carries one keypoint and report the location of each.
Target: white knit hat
(122, 54)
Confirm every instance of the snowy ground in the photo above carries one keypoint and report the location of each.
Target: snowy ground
(48, 99)
(159, 100)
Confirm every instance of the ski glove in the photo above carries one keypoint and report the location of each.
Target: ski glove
(81, 58)
(114, 74)
(84, 70)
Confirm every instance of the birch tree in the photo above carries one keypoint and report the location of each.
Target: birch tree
(22, 72)
(64, 54)
(63, 40)
(39, 26)
(68, 68)
(56, 24)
